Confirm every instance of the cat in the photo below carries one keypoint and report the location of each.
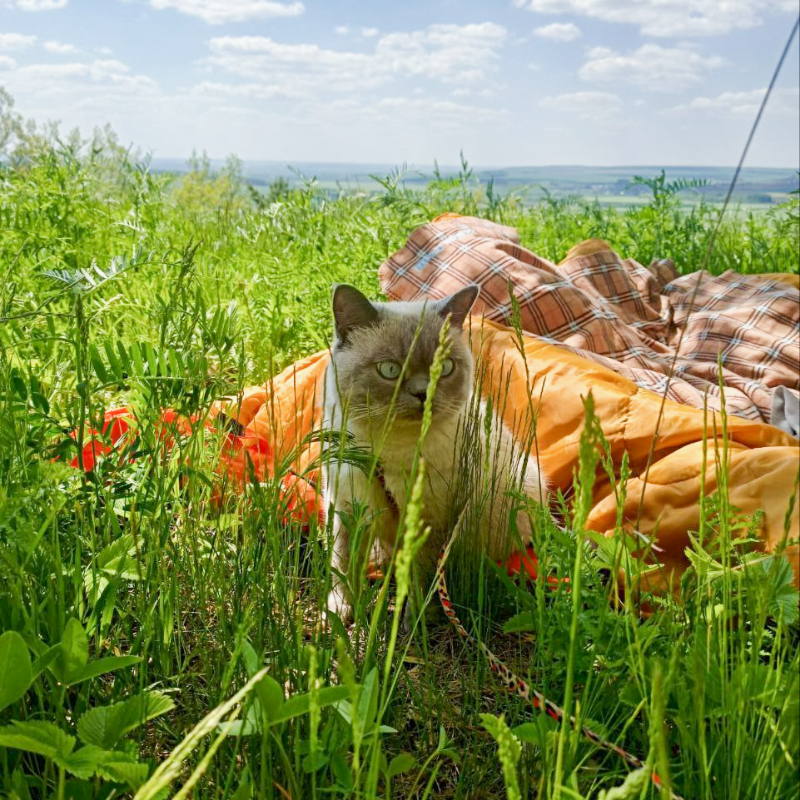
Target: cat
(376, 347)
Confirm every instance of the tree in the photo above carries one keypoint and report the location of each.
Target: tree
(10, 122)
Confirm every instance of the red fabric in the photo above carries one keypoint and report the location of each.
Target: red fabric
(115, 425)
(527, 561)
(242, 456)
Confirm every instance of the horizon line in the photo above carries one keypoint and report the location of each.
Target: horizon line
(412, 164)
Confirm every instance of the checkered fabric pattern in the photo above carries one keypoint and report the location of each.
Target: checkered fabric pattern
(618, 313)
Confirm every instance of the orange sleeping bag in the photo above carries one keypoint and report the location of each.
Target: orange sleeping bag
(763, 460)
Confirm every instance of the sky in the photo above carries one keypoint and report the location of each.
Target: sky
(509, 82)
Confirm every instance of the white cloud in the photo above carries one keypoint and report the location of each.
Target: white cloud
(447, 53)
(391, 111)
(651, 66)
(369, 33)
(669, 17)
(61, 48)
(34, 5)
(98, 83)
(19, 41)
(302, 68)
(15, 41)
(342, 30)
(782, 102)
(451, 53)
(215, 12)
(251, 91)
(6, 62)
(435, 112)
(392, 116)
(561, 32)
(585, 105)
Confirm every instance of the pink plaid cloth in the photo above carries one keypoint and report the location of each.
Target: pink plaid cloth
(617, 313)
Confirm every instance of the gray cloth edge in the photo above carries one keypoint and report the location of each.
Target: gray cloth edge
(786, 411)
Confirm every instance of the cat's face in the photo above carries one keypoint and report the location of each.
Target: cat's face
(383, 354)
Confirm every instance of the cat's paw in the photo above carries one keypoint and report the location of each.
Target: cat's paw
(339, 604)
(409, 619)
(432, 616)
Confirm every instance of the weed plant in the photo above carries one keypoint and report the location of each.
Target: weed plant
(159, 642)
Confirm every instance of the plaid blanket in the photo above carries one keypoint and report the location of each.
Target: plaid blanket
(618, 313)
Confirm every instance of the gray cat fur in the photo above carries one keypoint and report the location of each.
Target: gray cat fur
(385, 418)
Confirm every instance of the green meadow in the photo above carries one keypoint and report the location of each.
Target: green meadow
(157, 642)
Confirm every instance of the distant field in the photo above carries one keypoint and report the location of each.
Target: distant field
(757, 188)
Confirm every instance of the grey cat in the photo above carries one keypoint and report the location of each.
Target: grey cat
(376, 346)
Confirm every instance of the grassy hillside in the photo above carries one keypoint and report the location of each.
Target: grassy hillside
(133, 603)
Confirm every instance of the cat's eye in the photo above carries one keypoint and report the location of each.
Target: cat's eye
(389, 370)
(448, 365)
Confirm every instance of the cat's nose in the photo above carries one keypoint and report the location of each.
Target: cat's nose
(417, 386)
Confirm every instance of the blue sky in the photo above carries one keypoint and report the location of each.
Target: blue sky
(511, 82)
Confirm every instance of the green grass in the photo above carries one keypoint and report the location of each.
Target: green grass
(187, 599)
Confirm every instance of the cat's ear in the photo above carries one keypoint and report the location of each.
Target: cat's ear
(351, 310)
(458, 305)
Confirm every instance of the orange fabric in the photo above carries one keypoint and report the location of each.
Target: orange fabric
(789, 278)
(763, 467)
